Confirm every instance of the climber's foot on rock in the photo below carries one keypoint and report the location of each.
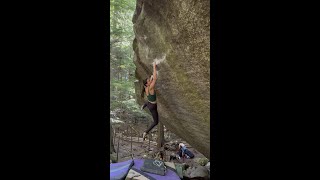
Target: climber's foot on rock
(143, 106)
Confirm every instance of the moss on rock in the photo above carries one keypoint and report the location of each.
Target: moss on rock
(180, 31)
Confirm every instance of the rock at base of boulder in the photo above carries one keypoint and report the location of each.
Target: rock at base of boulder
(202, 161)
(113, 157)
(170, 164)
(180, 169)
(208, 166)
(200, 172)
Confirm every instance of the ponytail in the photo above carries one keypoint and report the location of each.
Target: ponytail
(144, 85)
(142, 92)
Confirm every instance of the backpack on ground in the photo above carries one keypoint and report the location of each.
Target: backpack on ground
(189, 153)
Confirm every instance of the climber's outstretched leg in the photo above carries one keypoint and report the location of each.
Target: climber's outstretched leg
(145, 105)
(154, 112)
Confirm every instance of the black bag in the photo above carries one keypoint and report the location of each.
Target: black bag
(154, 167)
(189, 153)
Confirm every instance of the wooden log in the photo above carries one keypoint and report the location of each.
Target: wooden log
(160, 135)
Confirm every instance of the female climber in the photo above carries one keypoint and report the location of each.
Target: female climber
(149, 89)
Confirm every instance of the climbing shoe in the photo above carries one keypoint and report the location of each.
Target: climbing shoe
(144, 136)
(143, 106)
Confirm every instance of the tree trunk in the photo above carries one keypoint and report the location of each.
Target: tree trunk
(160, 142)
(111, 139)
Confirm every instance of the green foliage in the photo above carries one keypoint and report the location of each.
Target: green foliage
(122, 68)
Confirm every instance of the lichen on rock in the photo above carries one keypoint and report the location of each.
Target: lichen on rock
(176, 34)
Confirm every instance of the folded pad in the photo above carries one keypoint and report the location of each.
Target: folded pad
(120, 170)
(136, 173)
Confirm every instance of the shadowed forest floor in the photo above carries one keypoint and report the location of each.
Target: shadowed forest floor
(141, 149)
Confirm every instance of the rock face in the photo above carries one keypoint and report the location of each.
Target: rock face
(176, 35)
(200, 171)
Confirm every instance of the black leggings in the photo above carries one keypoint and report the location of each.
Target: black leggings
(154, 112)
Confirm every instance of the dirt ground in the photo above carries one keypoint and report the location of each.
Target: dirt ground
(143, 149)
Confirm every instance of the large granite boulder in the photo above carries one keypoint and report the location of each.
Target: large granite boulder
(176, 35)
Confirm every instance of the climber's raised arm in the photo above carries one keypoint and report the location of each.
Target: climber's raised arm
(154, 75)
(149, 84)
